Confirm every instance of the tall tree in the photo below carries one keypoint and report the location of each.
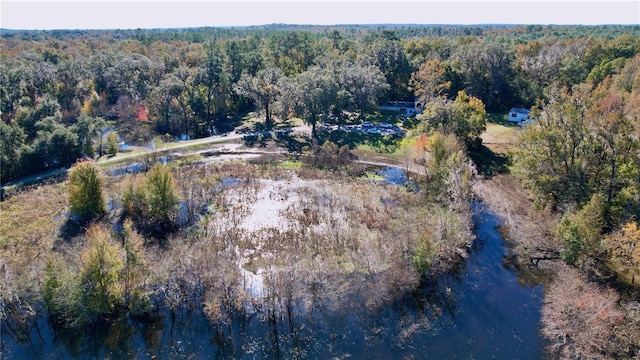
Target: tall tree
(448, 172)
(363, 85)
(89, 129)
(69, 89)
(388, 54)
(11, 143)
(128, 74)
(465, 117)
(211, 87)
(497, 59)
(430, 81)
(173, 102)
(485, 68)
(242, 56)
(550, 153)
(262, 88)
(291, 51)
(317, 91)
(582, 143)
(10, 89)
(38, 78)
(616, 142)
(466, 63)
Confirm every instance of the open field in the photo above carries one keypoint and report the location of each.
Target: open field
(499, 138)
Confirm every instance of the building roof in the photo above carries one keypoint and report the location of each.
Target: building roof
(519, 111)
(408, 104)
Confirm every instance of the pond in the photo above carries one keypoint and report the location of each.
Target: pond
(480, 312)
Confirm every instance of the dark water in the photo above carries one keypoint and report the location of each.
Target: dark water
(481, 312)
(492, 315)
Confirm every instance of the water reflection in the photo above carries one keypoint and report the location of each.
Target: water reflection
(393, 175)
(481, 311)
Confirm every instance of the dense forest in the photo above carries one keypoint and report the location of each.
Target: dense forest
(60, 90)
(75, 94)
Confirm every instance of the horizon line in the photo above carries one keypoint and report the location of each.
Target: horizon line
(316, 25)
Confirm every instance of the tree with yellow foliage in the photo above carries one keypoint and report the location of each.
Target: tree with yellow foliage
(84, 294)
(99, 277)
(623, 247)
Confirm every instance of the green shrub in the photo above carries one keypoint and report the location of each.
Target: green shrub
(161, 194)
(151, 201)
(85, 191)
(580, 233)
(423, 255)
(112, 143)
(109, 279)
(328, 156)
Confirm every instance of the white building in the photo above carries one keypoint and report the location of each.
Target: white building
(518, 114)
(406, 108)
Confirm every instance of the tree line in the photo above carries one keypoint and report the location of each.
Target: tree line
(61, 91)
(582, 158)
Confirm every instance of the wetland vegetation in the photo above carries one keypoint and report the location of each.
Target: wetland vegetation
(223, 200)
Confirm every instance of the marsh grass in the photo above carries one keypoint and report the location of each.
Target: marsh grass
(29, 225)
(583, 319)
(263, 241)
(308, 237)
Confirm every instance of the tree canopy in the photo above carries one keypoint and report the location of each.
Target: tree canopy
(60, 89)
(465, 117)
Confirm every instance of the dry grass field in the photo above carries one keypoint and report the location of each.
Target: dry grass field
(499, 138)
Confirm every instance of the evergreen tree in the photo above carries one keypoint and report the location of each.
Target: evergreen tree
(161, 197)
(85, 191)
(112, 143)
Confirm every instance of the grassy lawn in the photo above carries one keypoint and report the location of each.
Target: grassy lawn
(501, 119)
(497, 141)
(500, 133)
(383, 117)
(497, 133)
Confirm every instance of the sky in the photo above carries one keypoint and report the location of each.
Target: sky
(118, 14)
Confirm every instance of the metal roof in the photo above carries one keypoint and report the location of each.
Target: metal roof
(519, 111)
